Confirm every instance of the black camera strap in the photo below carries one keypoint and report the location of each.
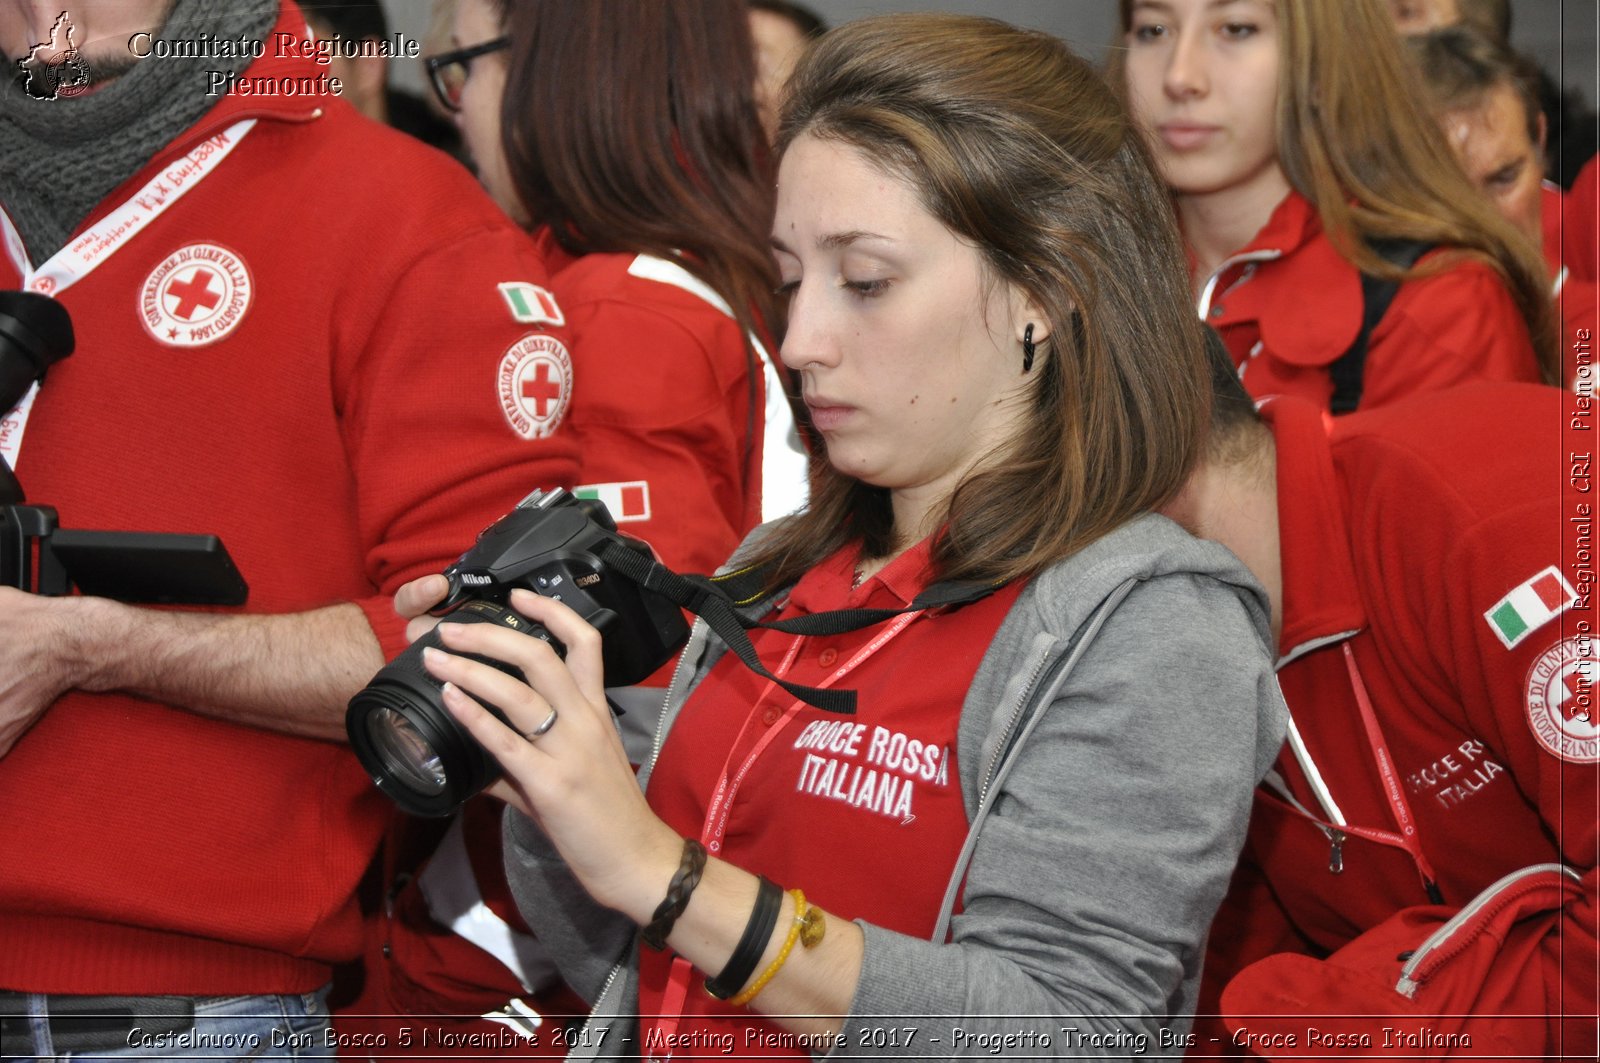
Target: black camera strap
(718, 599)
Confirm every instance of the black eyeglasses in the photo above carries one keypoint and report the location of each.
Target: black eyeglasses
(448, 71)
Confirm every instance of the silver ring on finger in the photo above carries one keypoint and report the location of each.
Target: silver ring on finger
(542, 729)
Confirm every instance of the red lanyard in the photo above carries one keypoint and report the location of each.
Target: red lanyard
(1407, 838)
(656, 1048)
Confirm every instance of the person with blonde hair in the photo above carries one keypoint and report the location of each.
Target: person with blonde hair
(1333, 241)
(1003, 747)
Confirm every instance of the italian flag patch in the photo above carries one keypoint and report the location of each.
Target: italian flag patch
(627, 501)
(1530, 606)
(531, 304)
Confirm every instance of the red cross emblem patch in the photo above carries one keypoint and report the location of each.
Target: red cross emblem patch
(535, 385)
(195, 297)
(1562, 687)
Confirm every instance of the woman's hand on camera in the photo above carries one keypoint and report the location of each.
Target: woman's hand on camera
(413, 601)
(574, 779)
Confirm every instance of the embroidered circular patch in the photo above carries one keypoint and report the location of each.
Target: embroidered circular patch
(1561, 700)
(197, 296)
(535, 384)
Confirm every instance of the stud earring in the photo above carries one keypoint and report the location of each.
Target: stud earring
(1027, 347)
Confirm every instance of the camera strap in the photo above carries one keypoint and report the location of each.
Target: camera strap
(718, 599)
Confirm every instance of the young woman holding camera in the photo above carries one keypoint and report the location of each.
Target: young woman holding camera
(1065, 701)
(1299, 161)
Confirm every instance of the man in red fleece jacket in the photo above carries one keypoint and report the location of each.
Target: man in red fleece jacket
(313, 337)
(1420, 874)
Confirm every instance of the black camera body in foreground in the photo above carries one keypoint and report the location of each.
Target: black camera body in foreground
(35, 553)
(551, 544)
(144, 568)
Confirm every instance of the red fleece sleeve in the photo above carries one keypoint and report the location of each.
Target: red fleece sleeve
(452, 411)
(1581, 236)
(664, 407)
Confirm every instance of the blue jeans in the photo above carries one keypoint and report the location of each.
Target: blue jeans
(259, 1027)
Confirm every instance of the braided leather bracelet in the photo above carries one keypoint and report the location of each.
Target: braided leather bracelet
(677, 898)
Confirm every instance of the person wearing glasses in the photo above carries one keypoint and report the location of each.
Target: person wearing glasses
(282, 344)
(1013, 840)
(625, 137)
(648, 201)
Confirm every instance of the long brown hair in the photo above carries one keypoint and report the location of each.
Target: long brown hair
(1355, 141)
(631, 126)
(1018, 146)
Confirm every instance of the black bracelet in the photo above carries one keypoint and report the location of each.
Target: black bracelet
(677, 898)
(757, 932)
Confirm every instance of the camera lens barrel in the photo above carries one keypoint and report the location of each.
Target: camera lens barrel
(409, 742)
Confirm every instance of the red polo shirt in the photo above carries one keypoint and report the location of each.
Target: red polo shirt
(662, 413)
(1577, 299)
(864, 813)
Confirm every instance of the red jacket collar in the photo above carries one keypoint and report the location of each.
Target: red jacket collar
(1321, 597)
(233, 108)
(1310, 310)
(830, 584)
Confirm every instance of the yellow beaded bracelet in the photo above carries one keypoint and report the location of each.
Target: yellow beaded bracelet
(808, 926)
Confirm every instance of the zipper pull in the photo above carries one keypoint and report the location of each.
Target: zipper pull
(1336, 851)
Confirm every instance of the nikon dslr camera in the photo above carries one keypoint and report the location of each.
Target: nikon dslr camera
(552, 544)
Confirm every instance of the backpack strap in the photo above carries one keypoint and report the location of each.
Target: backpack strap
(1349, 369)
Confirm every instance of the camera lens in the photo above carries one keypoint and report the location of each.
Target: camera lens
(407, 740)
(406, 754)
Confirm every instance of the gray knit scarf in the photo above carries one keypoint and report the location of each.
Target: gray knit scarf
(59, 158)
